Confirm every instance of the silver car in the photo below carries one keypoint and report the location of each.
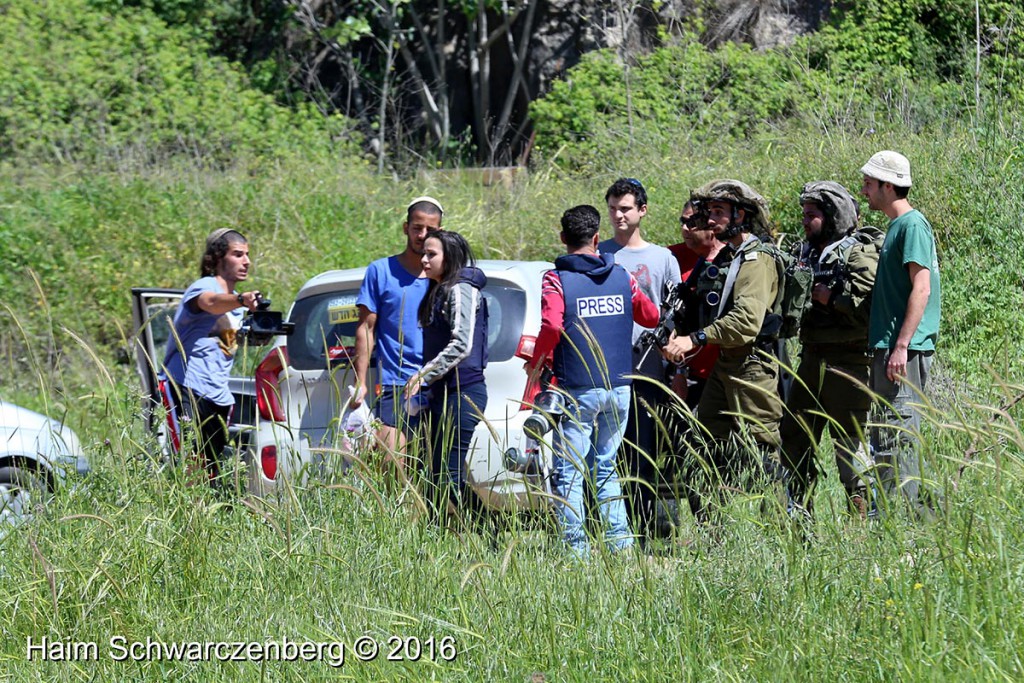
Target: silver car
(287, 415)
(37, 454)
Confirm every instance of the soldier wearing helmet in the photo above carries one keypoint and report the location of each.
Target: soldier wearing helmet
(904, 327)
(831, 382)
(740, 407)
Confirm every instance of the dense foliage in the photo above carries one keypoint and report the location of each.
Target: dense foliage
(81, 83)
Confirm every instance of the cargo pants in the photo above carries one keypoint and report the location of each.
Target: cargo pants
(740, 410)
(830, 390)
(897, 437)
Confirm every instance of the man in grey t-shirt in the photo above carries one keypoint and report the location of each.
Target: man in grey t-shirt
(653, 266)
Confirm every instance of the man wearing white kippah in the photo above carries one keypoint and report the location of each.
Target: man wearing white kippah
(388, 302)
(903, 329)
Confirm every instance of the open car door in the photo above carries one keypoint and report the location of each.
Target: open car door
(152, 312)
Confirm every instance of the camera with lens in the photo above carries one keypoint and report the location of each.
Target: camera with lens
(263, 324)
(548, 409)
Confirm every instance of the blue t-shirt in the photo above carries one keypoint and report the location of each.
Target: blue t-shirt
(394, 294)
(201, 348)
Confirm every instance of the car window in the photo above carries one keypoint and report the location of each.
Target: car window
(506, 313)
(161, 317)
(325, 330)
(325, 326)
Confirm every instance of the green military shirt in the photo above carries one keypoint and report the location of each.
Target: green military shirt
(846, 317)
(753, 295)
(909, 240)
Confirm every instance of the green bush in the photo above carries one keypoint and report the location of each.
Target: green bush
(731, 92)
(83, 84)
(680, 88)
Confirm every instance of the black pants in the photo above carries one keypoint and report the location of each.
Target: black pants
(641, 449)
(207, 435)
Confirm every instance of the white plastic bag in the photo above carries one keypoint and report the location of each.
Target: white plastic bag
(355, 425)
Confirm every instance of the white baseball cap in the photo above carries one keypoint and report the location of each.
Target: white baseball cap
(889, 167)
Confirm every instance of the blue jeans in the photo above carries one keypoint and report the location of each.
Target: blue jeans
(454, 416)
(586, 442)
(390, 410)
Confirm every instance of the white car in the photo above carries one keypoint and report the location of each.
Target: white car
(36, 454)
(287, 416)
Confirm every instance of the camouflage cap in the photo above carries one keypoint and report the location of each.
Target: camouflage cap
(835, 201)
(740, 194)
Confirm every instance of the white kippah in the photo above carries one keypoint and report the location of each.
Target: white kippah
(428, 200)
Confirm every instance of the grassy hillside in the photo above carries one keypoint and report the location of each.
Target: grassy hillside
(75, 241)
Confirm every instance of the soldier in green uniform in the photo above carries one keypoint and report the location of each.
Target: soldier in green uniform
(740, 408)
(831, 386)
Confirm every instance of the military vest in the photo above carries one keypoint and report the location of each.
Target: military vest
(715, 285)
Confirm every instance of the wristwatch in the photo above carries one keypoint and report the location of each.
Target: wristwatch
(241, 301)
(699, 338)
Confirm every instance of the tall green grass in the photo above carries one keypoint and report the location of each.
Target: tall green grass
(134, 553)
(75, 242)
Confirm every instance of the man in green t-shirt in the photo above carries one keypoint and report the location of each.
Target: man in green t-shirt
(903, 328)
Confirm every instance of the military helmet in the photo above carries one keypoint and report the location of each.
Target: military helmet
(741, 195)
(836, 202)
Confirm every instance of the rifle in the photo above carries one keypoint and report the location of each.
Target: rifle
(835, 277)
(673, 308)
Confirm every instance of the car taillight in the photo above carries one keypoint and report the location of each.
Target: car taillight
(268, 390)
(527, 344)
(268, 461)
(524, 350)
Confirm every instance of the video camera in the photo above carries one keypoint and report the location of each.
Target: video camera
(263, 324)
(548, 407)
(673, 309)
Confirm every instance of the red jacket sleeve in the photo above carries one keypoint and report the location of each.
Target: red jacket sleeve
(552, 319)
(644, 311)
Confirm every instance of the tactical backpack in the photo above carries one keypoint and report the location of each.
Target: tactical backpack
(793, 296)
(796, 279)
